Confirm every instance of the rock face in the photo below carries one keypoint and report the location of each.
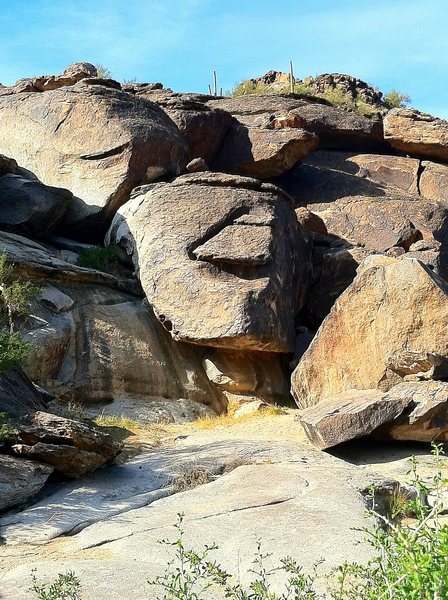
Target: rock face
(20, 480)
(349, 415)
(96, 141)
(30, 207)
(417, 133)
(336, 129)
(71, 447)
(186, 238)
(394, 305)
(352, 86)
(263, 153)
(425, 419)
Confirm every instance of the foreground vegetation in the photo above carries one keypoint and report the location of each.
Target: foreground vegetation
(411, 561)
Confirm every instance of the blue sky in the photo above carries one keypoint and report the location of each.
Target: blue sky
(401, 44)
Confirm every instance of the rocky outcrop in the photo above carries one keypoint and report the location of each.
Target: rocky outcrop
(425, 419)
(417, 133)
(392, 305)
(353, 87)
(434, 181)
(336, 128)
(186, 240)
(96, 141)
(29, 207)
(73, 448)
(20, 480)
(71, 75)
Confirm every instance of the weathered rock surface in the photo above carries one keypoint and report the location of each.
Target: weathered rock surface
(71, 75)
(20, 480)
(336, 128)
(204, 127)
(29, 207)
(417, 133)
(434, 181)
(243, 375)
(349, 415)
(73, 448)
(248, 294)
(96, 141)
(284, 480)
(261, 152)
(425, 419)
(392, 305)
(347, 84)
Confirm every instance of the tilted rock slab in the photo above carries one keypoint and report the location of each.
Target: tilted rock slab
(222, 260)
(71, 447)
(393, 305)
(349, 415)
(417, 133)
(96, 141)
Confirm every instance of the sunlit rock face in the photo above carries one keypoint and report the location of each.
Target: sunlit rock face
(221, 258)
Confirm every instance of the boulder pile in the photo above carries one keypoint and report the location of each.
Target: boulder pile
(248, 237)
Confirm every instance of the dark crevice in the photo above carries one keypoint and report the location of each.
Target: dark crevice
(106, 154)
(420, 170)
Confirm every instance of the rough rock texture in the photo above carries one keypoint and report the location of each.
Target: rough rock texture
(96, 141)
(263, 153)
(347, 84)
(425, 419)
(246, 302)
(105, 345)
(20, 480)
(336, 128)
(393, 304)
(7, 165)
(434, 181)
(30, 207)
(73, 448)
(349, 415)
(245, 375)
(71, 75)
(204, 127)
(417, 133)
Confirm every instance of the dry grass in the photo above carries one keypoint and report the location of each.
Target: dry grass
(191, 477)
(230, 418)
(122, 427)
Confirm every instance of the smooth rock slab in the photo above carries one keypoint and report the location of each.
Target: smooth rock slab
(305, 508)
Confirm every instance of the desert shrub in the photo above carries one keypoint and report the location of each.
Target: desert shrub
(13, 350)
(65, 587)
(103, 72)
(396, 99)
(98, 257)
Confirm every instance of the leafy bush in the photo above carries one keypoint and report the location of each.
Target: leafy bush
(66, 587)
(13, 350)
(99, 258)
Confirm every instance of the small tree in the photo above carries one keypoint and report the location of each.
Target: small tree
(396, 99)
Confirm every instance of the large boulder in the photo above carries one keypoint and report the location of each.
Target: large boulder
(30, 207)
(18, 396)
(96, 141)
(392, 305)
(20, 480)
(417, 133)
(434, 181)
(263, 152)
(222, 260)
(43, 83)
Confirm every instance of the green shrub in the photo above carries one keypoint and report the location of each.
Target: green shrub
(8, 433)
(65, 587)
(99, 257)
(13, 350)
(396, 99)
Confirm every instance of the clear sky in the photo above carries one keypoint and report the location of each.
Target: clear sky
(401, 44)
